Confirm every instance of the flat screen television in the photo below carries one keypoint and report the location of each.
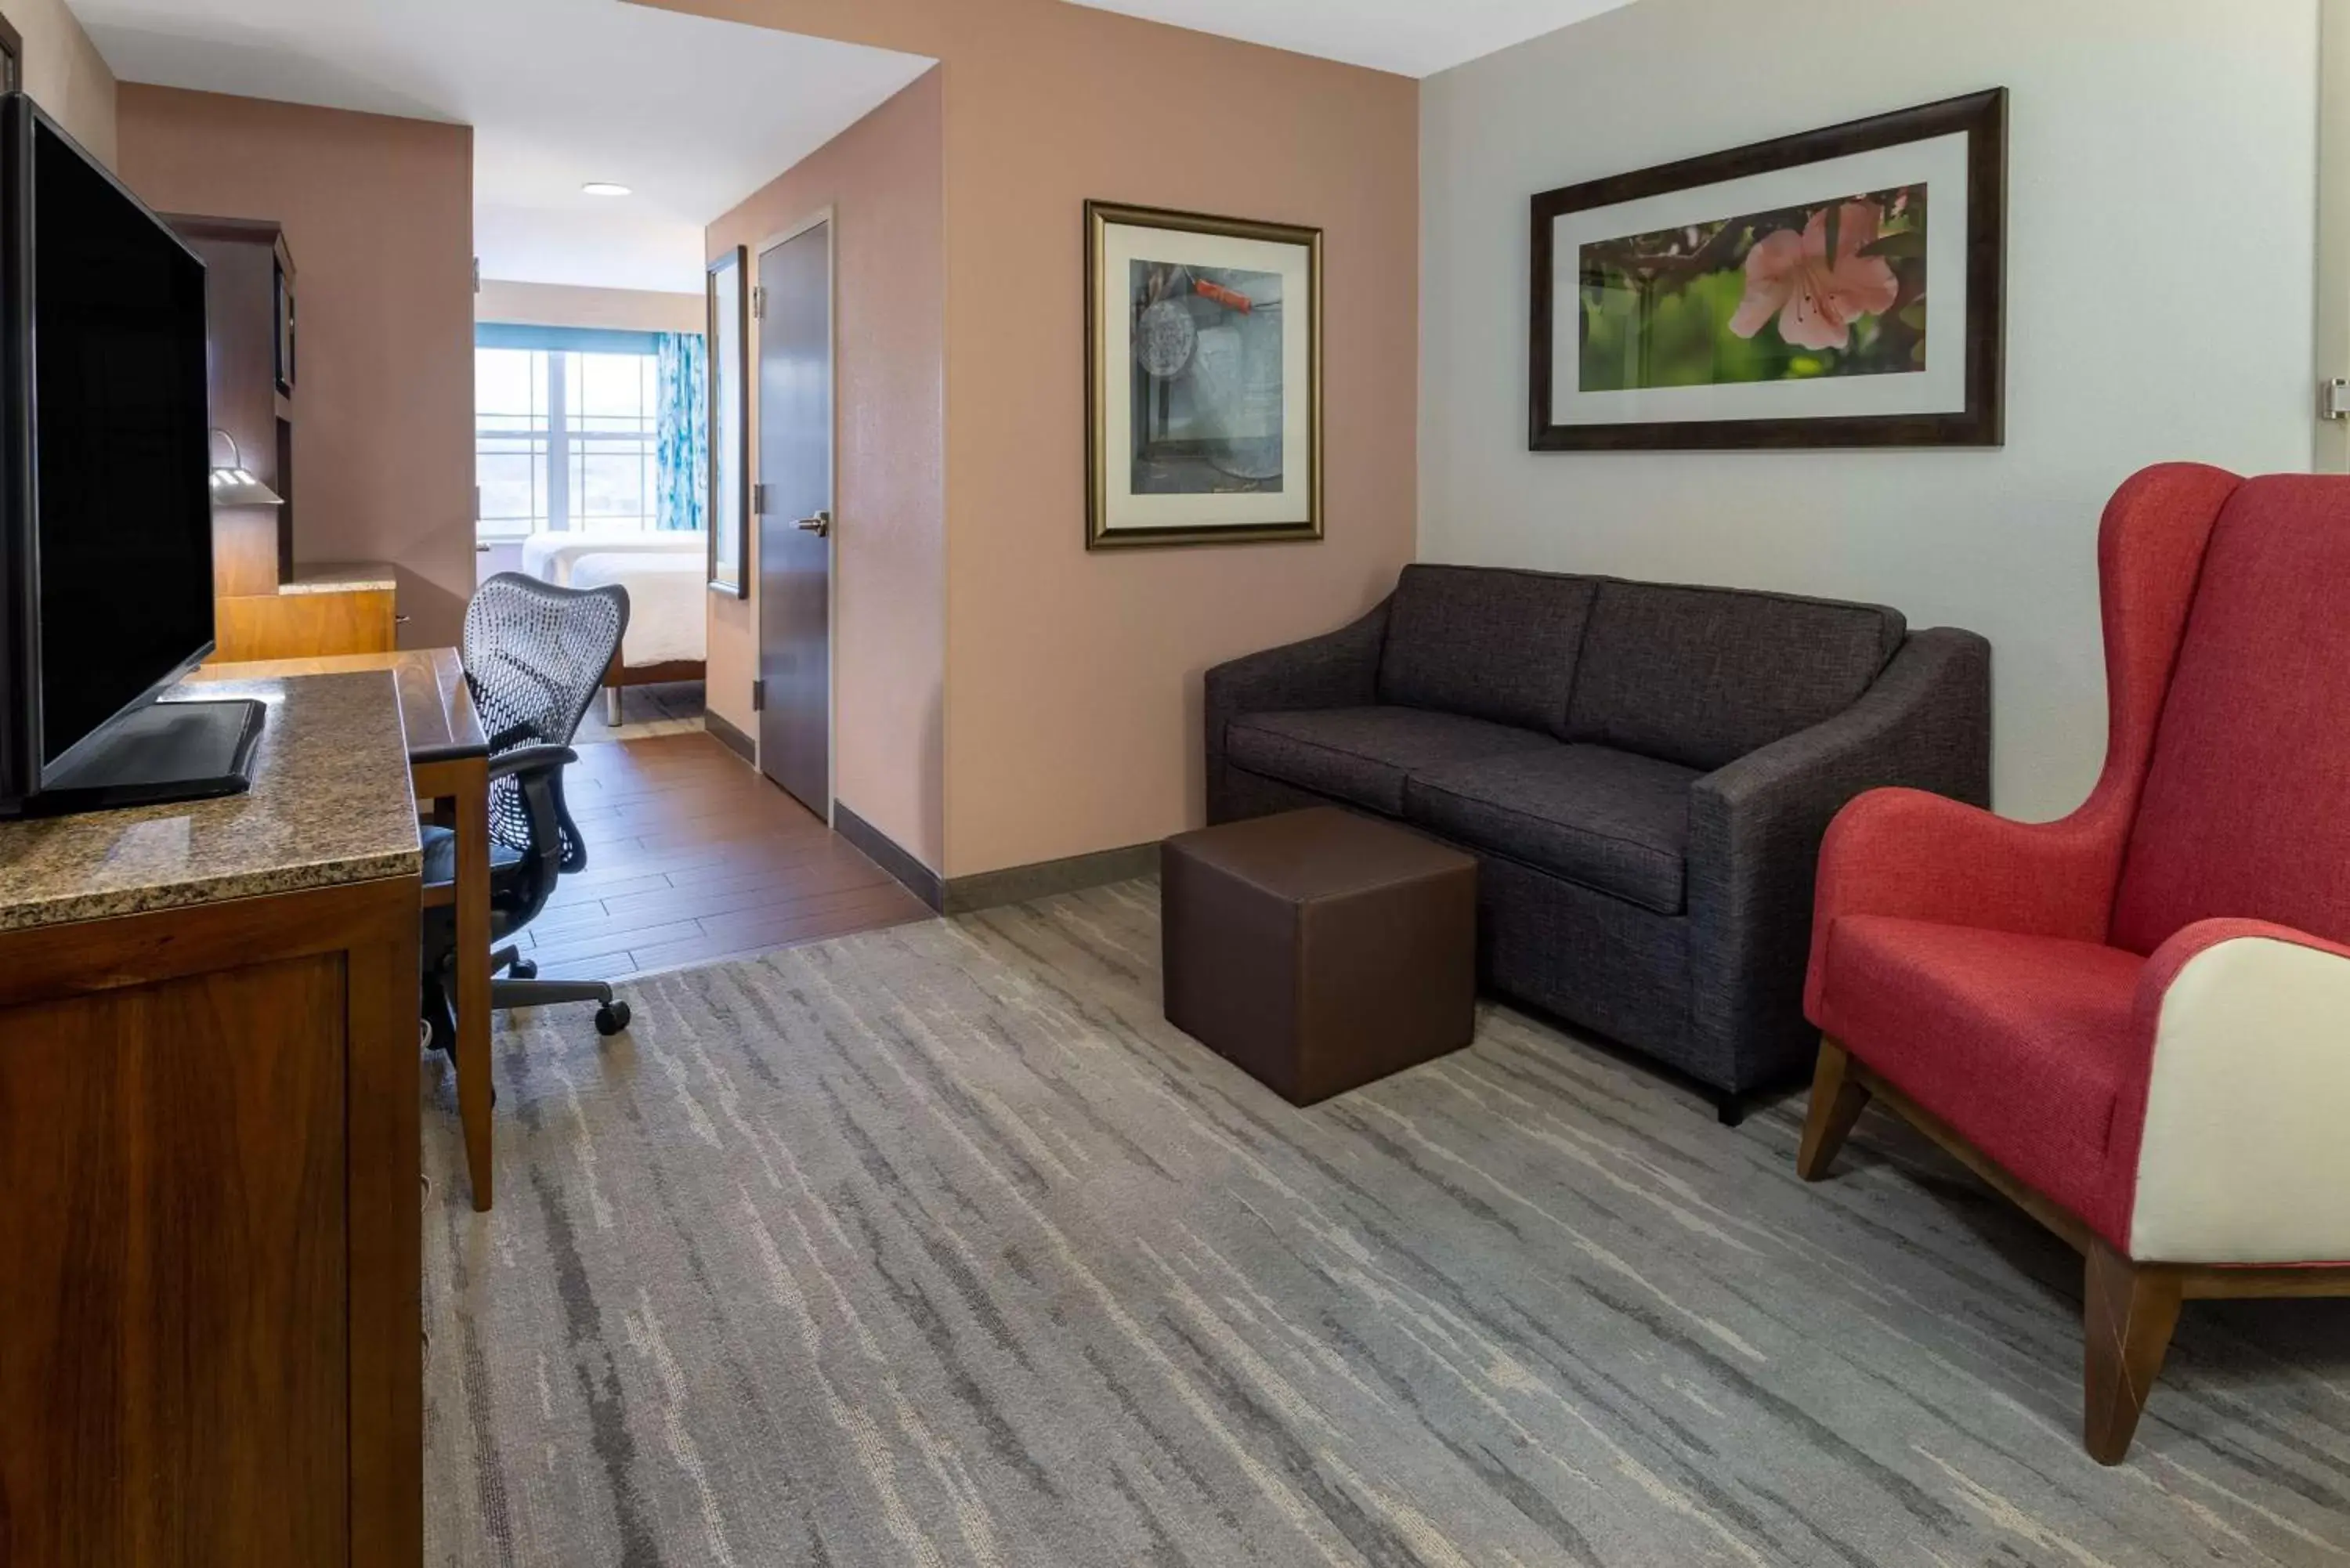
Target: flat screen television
(106, 566)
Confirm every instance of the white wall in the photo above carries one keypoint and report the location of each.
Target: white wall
(2161, 237)
(2333, 443)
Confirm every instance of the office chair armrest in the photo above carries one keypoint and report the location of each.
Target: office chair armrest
(531, 759)
(554, 835)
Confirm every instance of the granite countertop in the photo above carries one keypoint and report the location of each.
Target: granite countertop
(342, 577)
(331, 803)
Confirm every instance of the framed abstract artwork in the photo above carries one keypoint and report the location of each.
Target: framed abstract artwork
(1203, 379)
(730, 424)
(1842, 287)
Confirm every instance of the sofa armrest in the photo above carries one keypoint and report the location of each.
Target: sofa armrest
(2242, 1078)
(1336, 669)
(1755, 825)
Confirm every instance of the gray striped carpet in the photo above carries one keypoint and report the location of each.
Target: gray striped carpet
(937, 1245)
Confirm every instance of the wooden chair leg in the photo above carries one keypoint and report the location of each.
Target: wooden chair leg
(1837, 1100)
(2129, 1311)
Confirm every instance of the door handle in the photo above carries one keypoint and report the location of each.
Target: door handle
(820, 524)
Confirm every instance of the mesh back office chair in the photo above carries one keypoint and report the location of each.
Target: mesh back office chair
(534, 656)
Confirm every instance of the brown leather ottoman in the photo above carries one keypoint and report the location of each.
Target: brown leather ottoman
(1318, 949)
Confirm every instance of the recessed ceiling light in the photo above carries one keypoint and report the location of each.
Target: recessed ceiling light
(604, 187)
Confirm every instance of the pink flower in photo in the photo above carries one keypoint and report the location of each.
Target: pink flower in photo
(1817, 298)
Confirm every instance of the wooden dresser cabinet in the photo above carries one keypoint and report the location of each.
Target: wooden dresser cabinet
(320, 612)
(210, 1332)
(266, 606)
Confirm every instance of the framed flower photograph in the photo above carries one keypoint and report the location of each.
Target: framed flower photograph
(1842, 287)
(1203, 383)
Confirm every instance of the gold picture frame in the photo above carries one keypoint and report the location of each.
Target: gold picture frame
(1203, 380)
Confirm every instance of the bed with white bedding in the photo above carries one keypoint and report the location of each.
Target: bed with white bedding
(665, 575)
(549, 556)
(666, 624)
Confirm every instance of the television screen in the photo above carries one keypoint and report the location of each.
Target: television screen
(122, 502)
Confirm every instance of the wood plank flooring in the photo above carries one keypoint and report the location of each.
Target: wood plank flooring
(693, 855)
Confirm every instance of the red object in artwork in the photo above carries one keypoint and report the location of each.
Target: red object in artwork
(1230, 300)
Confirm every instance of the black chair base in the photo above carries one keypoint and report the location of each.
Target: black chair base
(612, 1016)
(510, 961)
(440, 1015)
(505, 993)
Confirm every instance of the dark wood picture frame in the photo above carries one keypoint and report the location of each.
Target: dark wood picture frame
(282, 301)
(1099, 536)
(720, 344)
(1981, 115)
(12, 56)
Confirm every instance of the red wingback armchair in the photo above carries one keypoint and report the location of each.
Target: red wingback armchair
(2136, 1022)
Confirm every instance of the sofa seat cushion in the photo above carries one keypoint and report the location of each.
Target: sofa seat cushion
(1610, 820)
(1362, 755)
(2022, 1044)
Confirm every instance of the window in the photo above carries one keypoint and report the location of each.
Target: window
(566, 431)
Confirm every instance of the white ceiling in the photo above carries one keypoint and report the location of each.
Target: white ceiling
(693, 114)
(1414, 37)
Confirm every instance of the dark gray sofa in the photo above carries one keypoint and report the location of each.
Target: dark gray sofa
(1643, 772)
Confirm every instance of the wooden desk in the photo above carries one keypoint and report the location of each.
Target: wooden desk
(209, 1252)
(448, 761)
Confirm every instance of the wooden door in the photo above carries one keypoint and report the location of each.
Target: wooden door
(794, 500)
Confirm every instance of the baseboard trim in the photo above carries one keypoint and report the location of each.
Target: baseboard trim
(992, 890)
(1019, 884)
(728, 736)
(891, 856)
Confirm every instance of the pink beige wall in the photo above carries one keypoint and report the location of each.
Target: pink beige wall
(566, 304)
(65, 75)
(377, 212)
(881, 178)
(1072, 680)
(883, 184)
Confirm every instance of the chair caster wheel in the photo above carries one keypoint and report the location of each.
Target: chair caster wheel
(611, 1018)
(523, 969)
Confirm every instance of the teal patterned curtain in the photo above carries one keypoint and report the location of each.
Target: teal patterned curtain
(684, 430)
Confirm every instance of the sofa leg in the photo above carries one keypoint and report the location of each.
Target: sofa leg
(1730, 1109)
(2129, 1311)
(1837, 1100)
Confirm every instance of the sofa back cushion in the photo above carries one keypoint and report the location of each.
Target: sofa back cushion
(1492, 644)
(2246, 811)
(1703, 676)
